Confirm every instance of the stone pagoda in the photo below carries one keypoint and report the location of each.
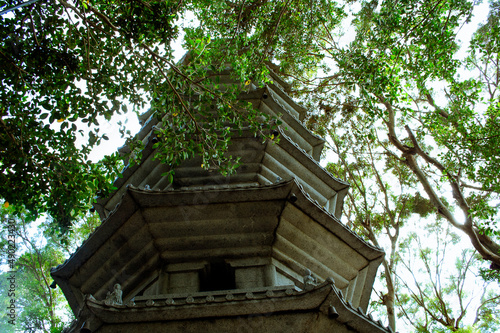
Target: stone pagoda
(262, 250)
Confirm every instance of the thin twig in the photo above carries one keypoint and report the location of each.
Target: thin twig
(181, 100)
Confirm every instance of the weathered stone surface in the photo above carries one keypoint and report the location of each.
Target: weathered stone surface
(272, 309)
(152, 231)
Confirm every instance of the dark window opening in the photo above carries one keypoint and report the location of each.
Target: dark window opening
(217, 276)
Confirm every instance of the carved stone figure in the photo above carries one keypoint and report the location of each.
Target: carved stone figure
(309, 280)
(115, 297)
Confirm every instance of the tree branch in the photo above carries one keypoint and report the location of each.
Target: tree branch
(181, 100)
(487, 251)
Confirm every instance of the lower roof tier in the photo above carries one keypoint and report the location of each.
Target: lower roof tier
(319, 309)
(150, 232)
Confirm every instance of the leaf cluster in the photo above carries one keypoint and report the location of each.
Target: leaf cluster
(67, 66)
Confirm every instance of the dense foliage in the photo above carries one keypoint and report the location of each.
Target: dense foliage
(68, 66)
(438, 112)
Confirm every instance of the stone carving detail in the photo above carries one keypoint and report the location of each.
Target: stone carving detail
(114, 297)
(309, 280)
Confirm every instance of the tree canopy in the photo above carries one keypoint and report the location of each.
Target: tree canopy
(68, 66)
(439, 112)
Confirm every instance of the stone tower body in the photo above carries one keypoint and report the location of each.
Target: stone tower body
(260, 251)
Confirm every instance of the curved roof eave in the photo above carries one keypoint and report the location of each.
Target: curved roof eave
(324, 298)
(135, 199)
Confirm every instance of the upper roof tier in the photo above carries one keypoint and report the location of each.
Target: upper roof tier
(262, 162)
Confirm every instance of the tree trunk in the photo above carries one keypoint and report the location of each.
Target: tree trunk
(388, 299)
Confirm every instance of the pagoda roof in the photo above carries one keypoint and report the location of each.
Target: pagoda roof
(262, 163)
(297, 155)
(282, 221)
(268, 305)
